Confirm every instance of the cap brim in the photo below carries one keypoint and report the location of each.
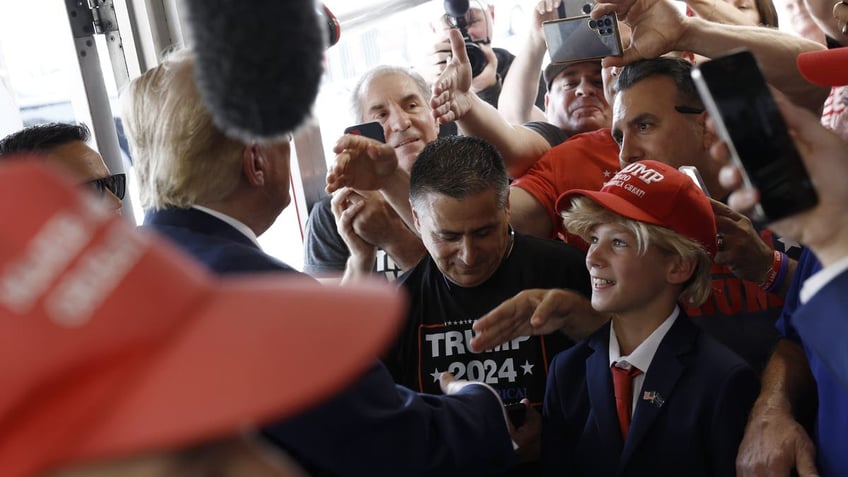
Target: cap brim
(293, 345)
(608, 201)
(168, 356)
(825, 67)
(552, 70)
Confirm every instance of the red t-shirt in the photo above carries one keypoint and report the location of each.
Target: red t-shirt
(584, 161)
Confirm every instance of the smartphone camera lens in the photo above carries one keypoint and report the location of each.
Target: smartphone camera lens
(587, 8)
(607, 22)
(593, 24)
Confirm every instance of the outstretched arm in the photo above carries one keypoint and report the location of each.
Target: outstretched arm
(719, 11)
(518, 95)
(658, 27)
(527, 215)
(774, 441)
(537, 312)
(453, 101)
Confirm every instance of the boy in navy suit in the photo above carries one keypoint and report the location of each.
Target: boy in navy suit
(648, 393)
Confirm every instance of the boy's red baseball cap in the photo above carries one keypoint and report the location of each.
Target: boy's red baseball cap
(113, 343)
(656, 193)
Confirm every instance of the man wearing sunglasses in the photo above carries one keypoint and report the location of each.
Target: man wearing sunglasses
(65, 145)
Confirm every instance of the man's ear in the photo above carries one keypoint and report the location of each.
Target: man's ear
(253, 165)
(681, 269)
(416, 221)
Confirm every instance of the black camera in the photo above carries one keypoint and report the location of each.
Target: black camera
(455, 11)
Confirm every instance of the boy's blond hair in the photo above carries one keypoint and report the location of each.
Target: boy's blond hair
(585, 214)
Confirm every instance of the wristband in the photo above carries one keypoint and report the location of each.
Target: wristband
(776, 275)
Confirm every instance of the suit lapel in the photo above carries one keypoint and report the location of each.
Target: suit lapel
(662, 377)
(601, 393)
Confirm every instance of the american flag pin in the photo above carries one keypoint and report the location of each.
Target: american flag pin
(653, 397)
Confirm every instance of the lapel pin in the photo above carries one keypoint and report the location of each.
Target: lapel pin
(653, 397)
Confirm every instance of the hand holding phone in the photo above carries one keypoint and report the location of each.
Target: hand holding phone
(577, 37)
(582, 38)
(517, 413)
(747, 119)
(374, 130)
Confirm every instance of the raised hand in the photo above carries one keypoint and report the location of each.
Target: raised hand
(452, 90)
(823, 228)
(657, 26)
(361, 163)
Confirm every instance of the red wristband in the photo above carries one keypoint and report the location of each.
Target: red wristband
(768, 282)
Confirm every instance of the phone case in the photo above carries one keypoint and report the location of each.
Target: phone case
(374, 130)
(737, 97)
(582, 38)
(695, 175)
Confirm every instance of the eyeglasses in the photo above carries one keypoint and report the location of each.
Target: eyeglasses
(116, 183)
(688, 110)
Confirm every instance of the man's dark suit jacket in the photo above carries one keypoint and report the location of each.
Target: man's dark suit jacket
(374, 428)
(689, 419)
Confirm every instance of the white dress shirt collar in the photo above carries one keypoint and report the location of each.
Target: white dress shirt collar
(241, 227)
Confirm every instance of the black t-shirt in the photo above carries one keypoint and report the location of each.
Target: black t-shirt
(554, 135)
(438, 328)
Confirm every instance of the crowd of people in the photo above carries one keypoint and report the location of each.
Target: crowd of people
(568, 302)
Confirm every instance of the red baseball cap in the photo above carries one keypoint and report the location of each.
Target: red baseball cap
(655, 193)
(113, 343)
(825, 67)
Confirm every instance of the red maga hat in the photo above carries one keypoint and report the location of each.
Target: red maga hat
(658, 194)
(113, 343)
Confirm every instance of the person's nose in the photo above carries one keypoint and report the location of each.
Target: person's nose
(586, 88)
(594, 257)
(399, 120)
(468, 251)
(629, 151)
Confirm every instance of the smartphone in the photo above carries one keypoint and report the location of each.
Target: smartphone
(374, 130)
(575, 8)
(695, 175)
(747, 119)
(582, 38)
(517, 413)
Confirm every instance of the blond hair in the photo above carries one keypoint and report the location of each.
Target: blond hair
(585, 214)
(181, 158)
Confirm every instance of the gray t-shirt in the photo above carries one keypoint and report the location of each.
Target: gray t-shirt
(325, 253)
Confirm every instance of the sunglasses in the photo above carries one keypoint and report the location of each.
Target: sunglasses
(116, 184)
(688, 110)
